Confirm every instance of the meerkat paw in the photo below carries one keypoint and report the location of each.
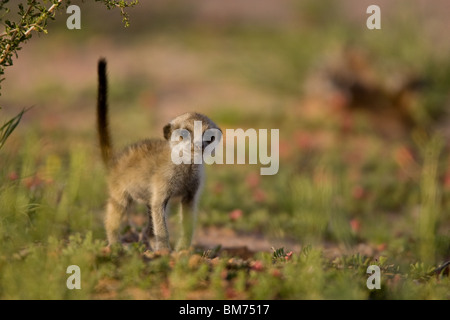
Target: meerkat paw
(183, 245)
(162, 246)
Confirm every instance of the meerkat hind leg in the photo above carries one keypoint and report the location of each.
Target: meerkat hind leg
(115, 211)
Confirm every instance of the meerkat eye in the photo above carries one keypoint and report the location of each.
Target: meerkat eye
(184, 133)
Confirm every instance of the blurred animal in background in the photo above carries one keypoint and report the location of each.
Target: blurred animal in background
(355, 85)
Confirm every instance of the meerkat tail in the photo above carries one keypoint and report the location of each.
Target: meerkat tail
(102, 113)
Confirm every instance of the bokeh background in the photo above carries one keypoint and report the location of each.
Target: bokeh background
(362, 114)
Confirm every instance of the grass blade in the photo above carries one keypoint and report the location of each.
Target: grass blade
(8, 127)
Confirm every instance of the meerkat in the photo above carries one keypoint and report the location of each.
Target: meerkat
(144, 172)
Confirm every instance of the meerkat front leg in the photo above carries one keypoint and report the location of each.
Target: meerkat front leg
(188, 217)
(161, 233)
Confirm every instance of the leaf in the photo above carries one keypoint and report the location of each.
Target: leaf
(8, 127)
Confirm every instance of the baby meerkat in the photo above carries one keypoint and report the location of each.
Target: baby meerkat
(145, 172)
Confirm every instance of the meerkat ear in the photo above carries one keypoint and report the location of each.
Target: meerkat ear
(167, 131)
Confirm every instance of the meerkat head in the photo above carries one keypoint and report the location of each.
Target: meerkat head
(194, 131)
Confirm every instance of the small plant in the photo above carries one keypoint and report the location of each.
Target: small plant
(211, 253)
(34, 17)
(280, 255)
(7, 128)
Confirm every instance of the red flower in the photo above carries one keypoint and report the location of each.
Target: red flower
(304, 140)
(235, 214)
(33, 182)
(276, 273)
(218, 188)
(347, 123)
(259, 195)
(339, 101)
(165, 290)
(253, 179)
(403, 156)
(288, 255)
(358, 192)
(284, 148)
(230, 293)
(13, 176)
(257, 265)
(447, 180)
(355, 225)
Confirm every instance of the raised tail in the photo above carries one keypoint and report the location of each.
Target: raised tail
(102, 113)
